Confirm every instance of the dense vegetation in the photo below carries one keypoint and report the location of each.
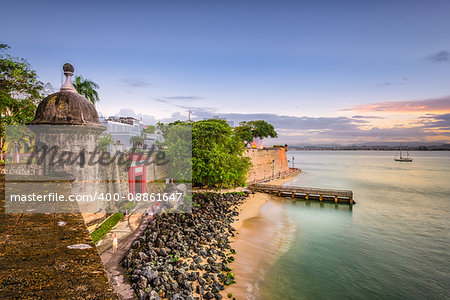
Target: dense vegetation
(106, 226)
(217, 155)
(178, 140)
(247, 131)
(217, 150)
(20, 92)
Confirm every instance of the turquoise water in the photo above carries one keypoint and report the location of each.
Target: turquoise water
(393, 244)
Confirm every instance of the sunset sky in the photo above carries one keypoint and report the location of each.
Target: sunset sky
(320, 71)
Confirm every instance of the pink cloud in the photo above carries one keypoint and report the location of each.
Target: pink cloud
(426, 105)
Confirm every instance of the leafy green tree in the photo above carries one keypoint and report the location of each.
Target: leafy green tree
(261, 129)
(151, 129)
(244, 132)
(137, 141)
(247, 131)
(20, 92)
(161, 127)
(179, 151)
(217, 155)
(87, 88)
(104, 142)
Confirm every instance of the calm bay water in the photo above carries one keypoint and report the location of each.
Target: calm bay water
(393, 244)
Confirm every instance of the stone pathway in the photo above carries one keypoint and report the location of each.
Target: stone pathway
(39, 258)
(122, 230)
(111, 261)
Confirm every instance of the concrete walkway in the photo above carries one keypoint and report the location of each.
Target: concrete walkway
(111, 260)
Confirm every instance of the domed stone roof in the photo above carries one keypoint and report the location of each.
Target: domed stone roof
(66, 107)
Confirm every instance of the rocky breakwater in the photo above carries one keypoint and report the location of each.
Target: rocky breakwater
(186, 256)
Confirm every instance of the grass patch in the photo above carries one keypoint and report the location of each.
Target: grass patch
(130, 205)
(106, 226)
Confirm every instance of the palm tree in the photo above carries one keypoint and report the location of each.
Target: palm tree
(137, 141)
(87, 88)
(104, 142)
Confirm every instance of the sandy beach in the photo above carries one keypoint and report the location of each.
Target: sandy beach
(264, 232)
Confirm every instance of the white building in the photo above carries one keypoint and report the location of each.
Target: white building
(122, 129)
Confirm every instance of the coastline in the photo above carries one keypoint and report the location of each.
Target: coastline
(263, 233)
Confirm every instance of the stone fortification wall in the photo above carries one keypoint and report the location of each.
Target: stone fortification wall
(155, 172)
(115, 178)
(268, 163)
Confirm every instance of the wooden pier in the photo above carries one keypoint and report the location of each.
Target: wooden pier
(336, 196)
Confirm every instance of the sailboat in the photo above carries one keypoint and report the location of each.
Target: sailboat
(403, 158)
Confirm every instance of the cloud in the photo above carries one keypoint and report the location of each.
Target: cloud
(174, 117)
(359, 136)
(294, 122)
(436, 122)
(279, 121)
(136, 83)
(366, 117)
(439, 57)
(297, 130)
(162, 101)
(386, 83)
(126, 112)
(184, 98)
(341, 130)
(426, 105)
(392, 83)
(176, 99)
(197, 113)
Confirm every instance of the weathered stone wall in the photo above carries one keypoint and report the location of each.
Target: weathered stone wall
(36, 262)
(114, 178)
(155, 172)
(20, 169)
(267, 164)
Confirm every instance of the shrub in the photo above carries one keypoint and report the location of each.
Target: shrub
(106, 226)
